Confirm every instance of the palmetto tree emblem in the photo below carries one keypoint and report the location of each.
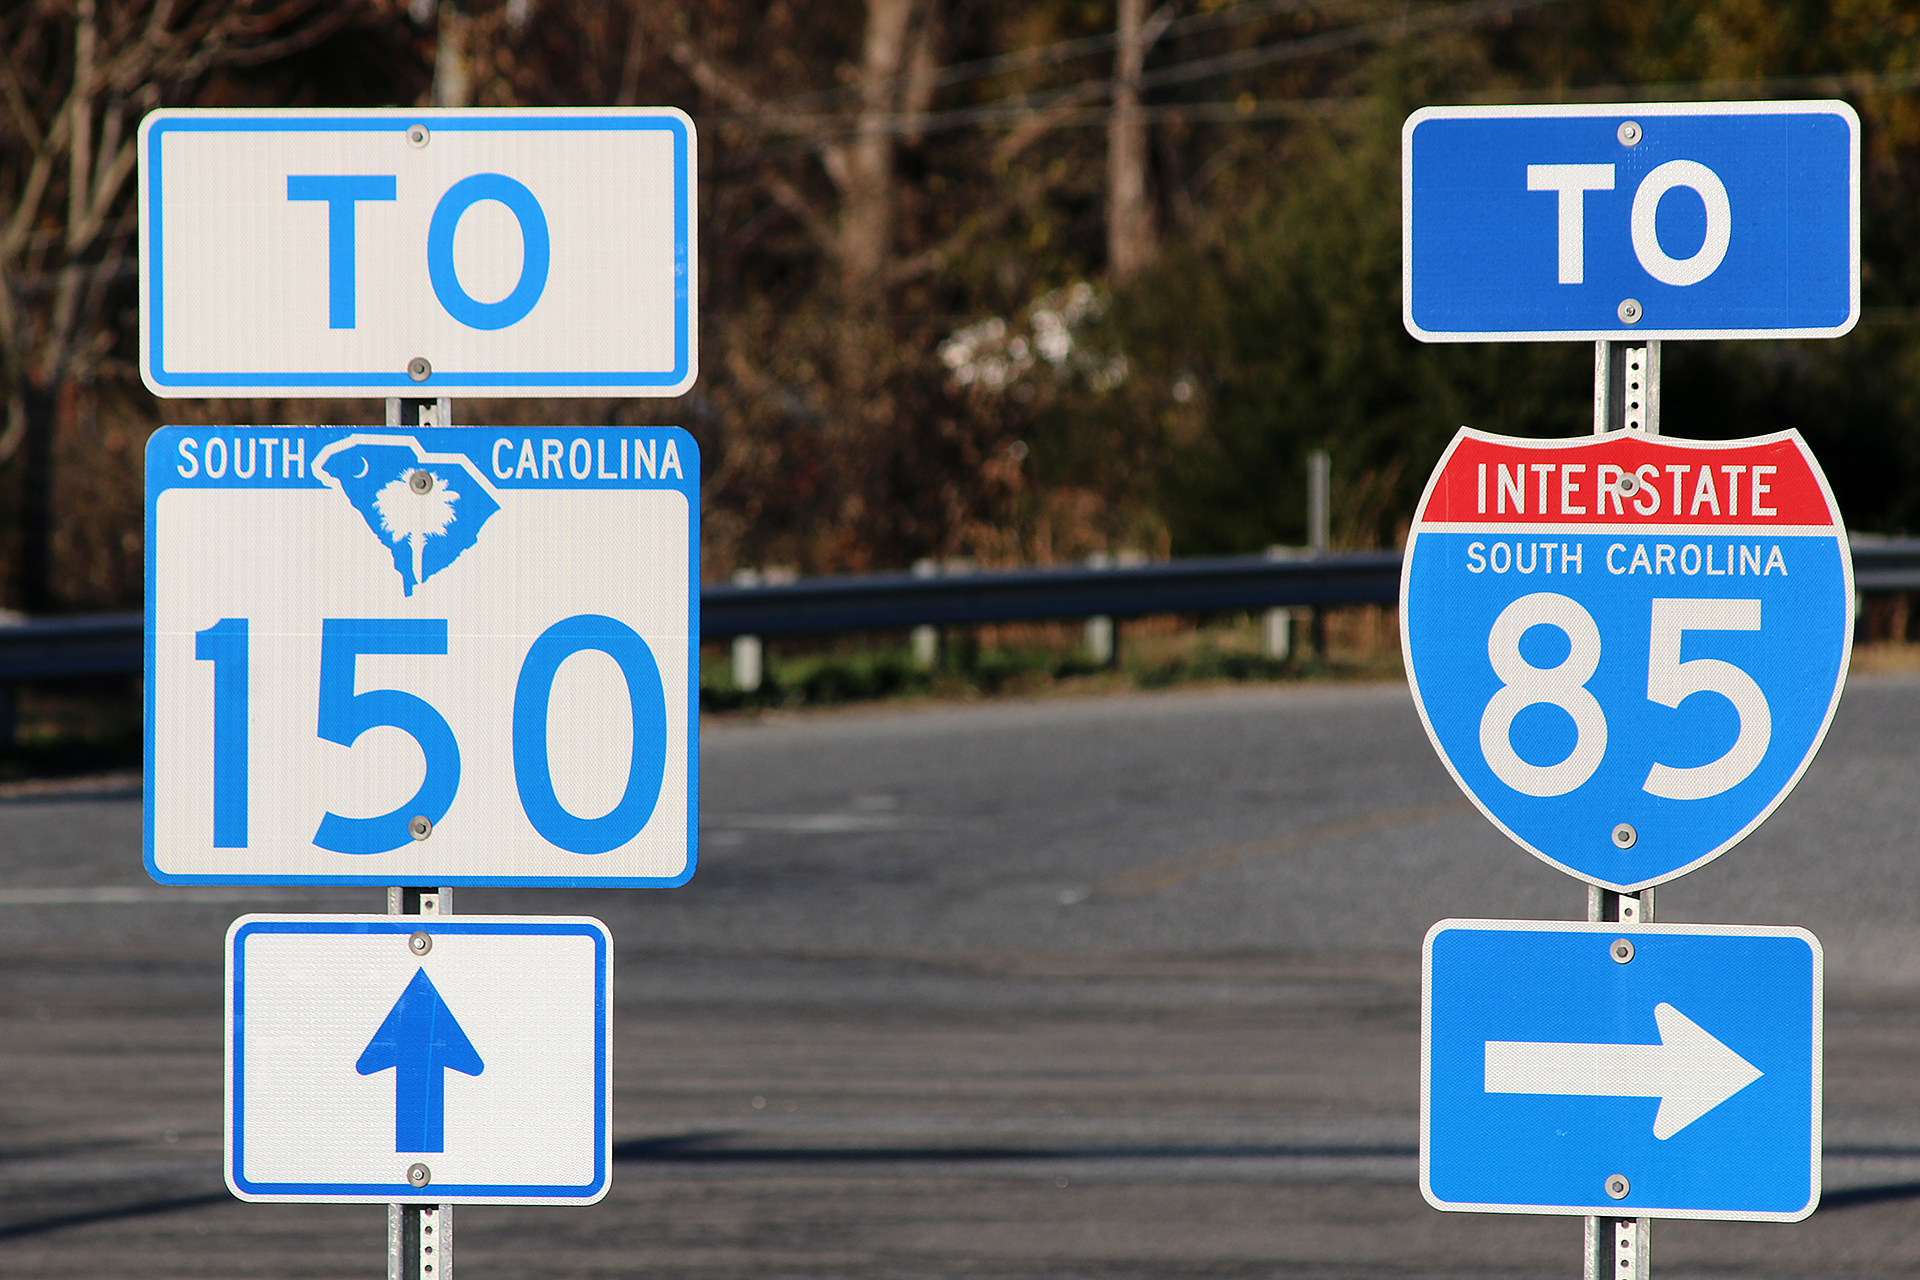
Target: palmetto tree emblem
(426, 510)
(413, 507)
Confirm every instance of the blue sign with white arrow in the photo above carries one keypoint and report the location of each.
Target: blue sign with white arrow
(1665, 1071)
(459, 1059)
(1650, 220)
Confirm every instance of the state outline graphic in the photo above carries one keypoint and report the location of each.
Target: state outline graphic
(426, 528)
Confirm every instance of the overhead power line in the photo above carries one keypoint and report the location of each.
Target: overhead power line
(1091, 90)
(1046, 54)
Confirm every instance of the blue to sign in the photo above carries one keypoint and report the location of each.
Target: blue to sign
(1667, 1071)
(1625, 648)
(1696, 220)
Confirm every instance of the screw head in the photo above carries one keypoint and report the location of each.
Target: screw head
(1617, 1186)
(1629, 484)
(419, 1175)
(417, 135)
(1628, 133)
(420, 943)
(1621, 950)
(419, 826)
(1628, 311)
(419, 369)
(421, 482)
(1624, 835)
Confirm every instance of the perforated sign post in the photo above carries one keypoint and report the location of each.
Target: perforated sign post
(1626, 648)
(419, 656)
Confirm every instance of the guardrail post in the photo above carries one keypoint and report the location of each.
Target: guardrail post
(1319, 533)
(924, 643)
(746, 649)
(1099, 630)
(1276, 625)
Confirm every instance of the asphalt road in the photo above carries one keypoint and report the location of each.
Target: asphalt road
(1118, 987)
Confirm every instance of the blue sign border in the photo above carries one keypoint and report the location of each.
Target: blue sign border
(474, 442)
(391, 1192)
(1620, 330)
(396, 382)
(1635, 1203)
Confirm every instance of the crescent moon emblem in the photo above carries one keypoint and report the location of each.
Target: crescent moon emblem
(363, 469)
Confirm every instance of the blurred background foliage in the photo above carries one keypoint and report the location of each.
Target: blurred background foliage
(1010, 281)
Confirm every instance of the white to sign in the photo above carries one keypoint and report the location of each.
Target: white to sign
(417, 252)
(1627, 648)
(461, 1060)
(422, 656)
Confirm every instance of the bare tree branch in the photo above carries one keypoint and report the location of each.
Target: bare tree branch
(789, 197)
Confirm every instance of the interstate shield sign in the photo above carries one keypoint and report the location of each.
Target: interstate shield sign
(1627, 648)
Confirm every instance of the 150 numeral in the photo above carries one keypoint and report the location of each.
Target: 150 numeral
(343, 716)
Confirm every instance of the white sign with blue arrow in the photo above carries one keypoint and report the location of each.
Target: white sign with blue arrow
(461, 1060)
(1621, 1070)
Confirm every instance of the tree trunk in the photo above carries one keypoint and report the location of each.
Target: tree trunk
(452, 57)
(867, 184)
(1129, 217)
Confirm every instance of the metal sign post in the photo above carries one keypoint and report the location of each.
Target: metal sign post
(1563, 603)
(414, 255)
(419, 1236)
(1626, 397)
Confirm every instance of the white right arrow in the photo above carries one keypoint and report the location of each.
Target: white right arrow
(1689, 1070)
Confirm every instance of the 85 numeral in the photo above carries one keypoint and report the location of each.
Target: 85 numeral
(1669, 683)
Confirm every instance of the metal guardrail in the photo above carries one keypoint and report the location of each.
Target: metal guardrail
(882, 601)
(88, 644)
(113, 643)
(1885, 564)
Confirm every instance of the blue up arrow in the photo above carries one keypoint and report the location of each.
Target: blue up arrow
(421, 1041)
